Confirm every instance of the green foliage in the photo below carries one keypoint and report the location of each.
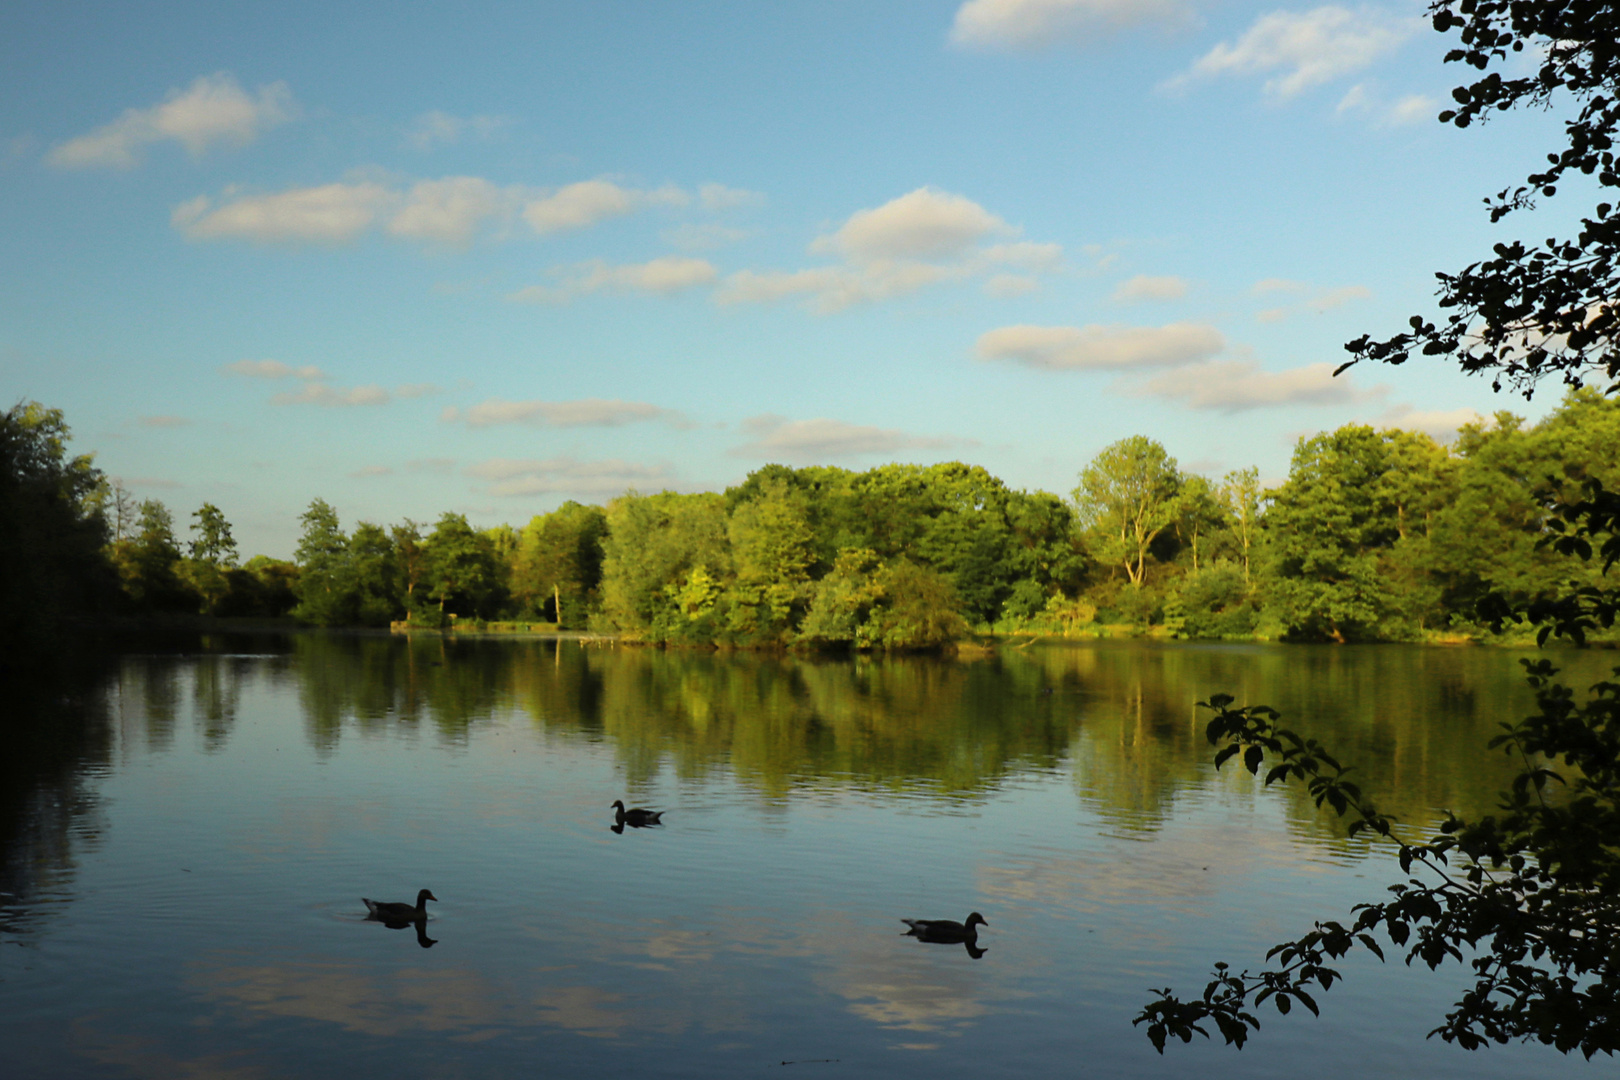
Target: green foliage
(52, 532)
(460, 569)
(1528, 899)
(325, 592)
(864, 604)
(558, 564)
(1127, 496)
(213, 555)
(149, 563)
(1338, 530)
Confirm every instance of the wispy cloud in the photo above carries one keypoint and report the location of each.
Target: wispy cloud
(329, 214)
(589, 202)
(452, 210)
(1094, 347)
(808, 441)
(718, 197)
(518, 477)
(586, 412)
(214, 109)
(1442, 425)
(316, 393)
(1234, 386)
(1303, 49)
(1305, 298)
(663, 276)
(165, 421)
(436, 128)
(1145, 288)
(1037, 24)
(272, 369)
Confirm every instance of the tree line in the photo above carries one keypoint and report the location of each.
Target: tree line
(1375, 534)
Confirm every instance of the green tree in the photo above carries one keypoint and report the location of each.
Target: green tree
(52, 534)
(460, 570)
(654, 542)
(1240, 491)
(772, 551)
(1126, 498)
(148, 563)
(1329, 537)
(325, 586)
(371, 575)
(557, 568)
(1200, 512)
(213, 555)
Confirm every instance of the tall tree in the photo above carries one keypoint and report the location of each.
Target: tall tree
(325, 587)
(1240, 491)
(213, 553)
(1126, 498)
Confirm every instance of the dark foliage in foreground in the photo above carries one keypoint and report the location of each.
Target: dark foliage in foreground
(1532, 894)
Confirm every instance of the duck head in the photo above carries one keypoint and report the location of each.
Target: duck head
(973, 920)
(423, 897)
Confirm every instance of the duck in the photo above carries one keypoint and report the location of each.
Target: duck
(946, 931)
(636, 817)
(393, 911)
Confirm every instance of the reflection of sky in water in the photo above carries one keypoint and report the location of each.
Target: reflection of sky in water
(215, 930)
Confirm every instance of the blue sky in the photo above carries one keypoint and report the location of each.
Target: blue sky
(413, 258)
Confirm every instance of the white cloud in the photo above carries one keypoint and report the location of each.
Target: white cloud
(1318, 300)
(329, 214)
(451, 211)
(1332, 298)
(922, 224)
(165, 421)
(664, 276)
(1413, 109)
(809, 441)
(438, 128)
(1005, 285)
(1143, 287)
(319, 393)
(569, 476)
(214, 109)
(717, 197)
(1233, 386)
(588, 202)
(587, 412)
(922, 238)
(1101, 347)
(1439, 424)
(1033, 24)
(704, 237)
(835, 288)
(1306, 48)
(272, 369)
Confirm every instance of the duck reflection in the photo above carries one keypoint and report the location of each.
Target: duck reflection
(949, 932)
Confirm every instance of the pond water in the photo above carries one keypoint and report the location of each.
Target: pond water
(187, 833)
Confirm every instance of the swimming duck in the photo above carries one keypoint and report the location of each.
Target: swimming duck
(637, 817)
(393, 911)
(945, 931)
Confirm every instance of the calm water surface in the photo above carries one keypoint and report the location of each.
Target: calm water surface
(184, 859)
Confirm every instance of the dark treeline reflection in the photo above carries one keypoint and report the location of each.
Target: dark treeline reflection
(1415, 720)
(56, 732)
